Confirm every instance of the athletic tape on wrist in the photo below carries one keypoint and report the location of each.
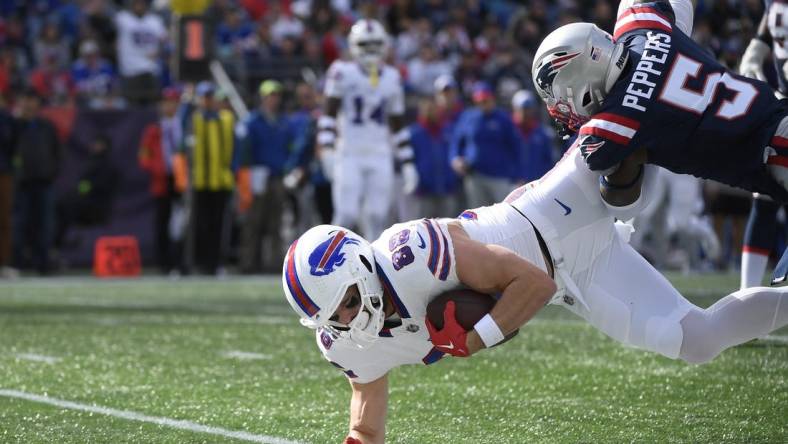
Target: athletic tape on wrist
(325, 138)
(488, 331)
(405, 154)
(603, 181)
(326, 122)
(402, 136)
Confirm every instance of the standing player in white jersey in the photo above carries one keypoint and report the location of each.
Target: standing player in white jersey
(141, 36)
(551, 241)
(761, 232)
(364, 106)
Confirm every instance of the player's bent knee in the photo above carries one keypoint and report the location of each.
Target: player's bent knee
(698, 355)
(698, 344)
(665, 336)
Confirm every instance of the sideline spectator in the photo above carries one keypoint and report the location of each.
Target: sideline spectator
(12, 72)
(307, 167)
(51, 46)
(234, 35)
(94, 78)
(283, 23)
(436, 194)
(141, 35)
(540, 152)
(90, 201)
(416, 34)
(52, 82)
(38, 154)
(486, 150)
(158, 148)
(425, 69)
(7, 154)
(266, 154)
(449, 103)
(453, 41)
(212, 145)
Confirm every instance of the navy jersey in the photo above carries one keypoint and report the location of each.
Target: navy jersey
(691, 114)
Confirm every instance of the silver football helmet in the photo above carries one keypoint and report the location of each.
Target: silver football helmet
(319, 268)
(368, 42)
(574, 69)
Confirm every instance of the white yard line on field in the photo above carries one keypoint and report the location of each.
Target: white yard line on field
(38, 358)
(245, 356)
(136, 416)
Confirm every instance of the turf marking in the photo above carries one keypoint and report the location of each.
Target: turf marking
(245, 356)
(38, 358)
(136, 416)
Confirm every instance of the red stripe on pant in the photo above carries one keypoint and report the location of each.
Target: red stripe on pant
(755, 250)
(778, 160)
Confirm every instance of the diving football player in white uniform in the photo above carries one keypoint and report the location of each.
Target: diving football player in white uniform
(553, 241)
(363, 118)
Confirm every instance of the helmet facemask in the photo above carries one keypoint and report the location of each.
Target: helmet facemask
(363, 329)
(320, 267)
(574, 69)
(369, 52)
(368, 42)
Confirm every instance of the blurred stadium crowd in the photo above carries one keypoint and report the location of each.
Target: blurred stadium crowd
(80, 56)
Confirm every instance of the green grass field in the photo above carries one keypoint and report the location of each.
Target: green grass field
(231, 355)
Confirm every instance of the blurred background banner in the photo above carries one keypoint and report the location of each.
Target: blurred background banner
(131, 212)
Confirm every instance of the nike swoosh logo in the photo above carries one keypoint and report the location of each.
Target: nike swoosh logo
(450, 346)
(422, 244)
(567, 210)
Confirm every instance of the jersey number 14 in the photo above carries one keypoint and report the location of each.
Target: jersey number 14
(378, 114)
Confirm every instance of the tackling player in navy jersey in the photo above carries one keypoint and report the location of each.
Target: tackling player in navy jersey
(761, 231)
(649, 94)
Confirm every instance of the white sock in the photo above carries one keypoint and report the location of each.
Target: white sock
(737, 318)
(753, 265)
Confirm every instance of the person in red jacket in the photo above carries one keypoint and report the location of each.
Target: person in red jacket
(158, 155)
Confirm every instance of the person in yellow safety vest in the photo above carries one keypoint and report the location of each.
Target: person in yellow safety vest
(211, 140)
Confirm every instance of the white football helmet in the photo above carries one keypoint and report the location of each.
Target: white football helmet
(368, 42)
(319, 268)
(574, 69)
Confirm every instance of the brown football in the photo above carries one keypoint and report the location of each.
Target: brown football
(470, 306)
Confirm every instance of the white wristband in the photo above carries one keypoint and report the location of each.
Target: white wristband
(489, 331)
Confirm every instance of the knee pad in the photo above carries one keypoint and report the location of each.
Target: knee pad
(664, 336)
(697, 345)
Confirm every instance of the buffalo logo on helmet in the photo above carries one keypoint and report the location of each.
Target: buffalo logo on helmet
(548, 71)
(470, 215)
(328, 255)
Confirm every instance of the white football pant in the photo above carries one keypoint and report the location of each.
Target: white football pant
(362, 192)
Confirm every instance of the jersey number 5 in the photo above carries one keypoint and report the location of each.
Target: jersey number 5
(679, 95)
(377, 115)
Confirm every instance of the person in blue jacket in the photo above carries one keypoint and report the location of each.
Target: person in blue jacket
(266, 152)
(305, 165)
(540, 152)
(486, 150)
(436, 194)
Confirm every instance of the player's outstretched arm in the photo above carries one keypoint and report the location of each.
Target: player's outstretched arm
(623, 187)
(493, 269)
(368, 406)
